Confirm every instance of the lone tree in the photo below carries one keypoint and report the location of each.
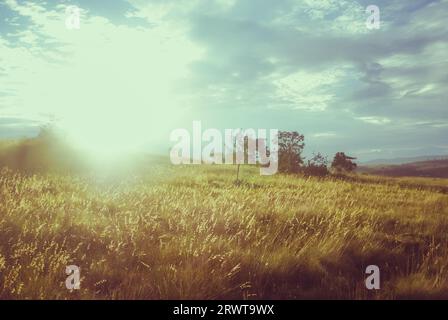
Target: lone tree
(290, 147)
(343, 163)
(244, 150)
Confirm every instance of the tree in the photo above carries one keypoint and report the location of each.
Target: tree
(317, 166)
(342, 162)
(290, 147)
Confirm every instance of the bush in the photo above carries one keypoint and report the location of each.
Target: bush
(317, 166)
(343, 163)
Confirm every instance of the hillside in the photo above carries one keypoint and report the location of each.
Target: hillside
(431, 168)
(403, 160)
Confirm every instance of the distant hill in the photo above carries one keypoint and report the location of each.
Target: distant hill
(428, 168)
(403, 160)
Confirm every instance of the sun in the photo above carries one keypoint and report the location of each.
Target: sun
(112, 94)
(115, 132)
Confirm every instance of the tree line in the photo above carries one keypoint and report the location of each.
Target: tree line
(291, 160)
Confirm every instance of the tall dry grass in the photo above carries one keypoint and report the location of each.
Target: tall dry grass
(192, 233)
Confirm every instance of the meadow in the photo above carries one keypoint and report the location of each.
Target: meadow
(191, 232)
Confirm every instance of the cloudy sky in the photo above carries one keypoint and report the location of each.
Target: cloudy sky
(135, 70)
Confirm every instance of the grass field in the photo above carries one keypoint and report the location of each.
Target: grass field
(190, 233)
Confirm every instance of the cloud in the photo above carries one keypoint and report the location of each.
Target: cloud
(323, 135)
(374, 120)
(312, 91)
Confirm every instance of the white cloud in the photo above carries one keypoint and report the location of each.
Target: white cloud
(328, 16)
(375, 120)
(305, 90)
(323, 135)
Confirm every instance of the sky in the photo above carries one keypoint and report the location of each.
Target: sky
(135, 70)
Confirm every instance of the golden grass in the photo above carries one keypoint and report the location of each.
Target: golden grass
(192, 233)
